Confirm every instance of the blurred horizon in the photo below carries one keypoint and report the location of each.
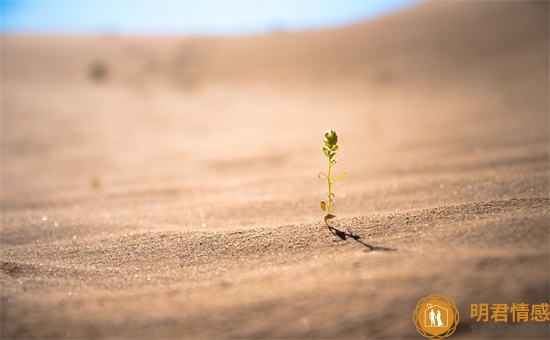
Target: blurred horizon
(186, 17)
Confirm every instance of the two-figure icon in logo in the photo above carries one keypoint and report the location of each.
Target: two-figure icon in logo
(436, 316)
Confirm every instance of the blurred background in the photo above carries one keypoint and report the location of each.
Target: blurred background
(194, 115)
(227, 17)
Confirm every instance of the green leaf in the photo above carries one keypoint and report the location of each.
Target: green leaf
(338, 177)
(331, 138)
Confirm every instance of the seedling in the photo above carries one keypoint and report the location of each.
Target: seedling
(329, 148)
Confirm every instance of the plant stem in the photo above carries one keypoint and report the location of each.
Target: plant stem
(329, 194)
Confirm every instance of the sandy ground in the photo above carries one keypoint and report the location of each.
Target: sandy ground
(167, 186)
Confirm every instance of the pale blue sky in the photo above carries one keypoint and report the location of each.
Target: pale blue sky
(186, 17)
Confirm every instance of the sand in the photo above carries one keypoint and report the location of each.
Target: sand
(167, 186)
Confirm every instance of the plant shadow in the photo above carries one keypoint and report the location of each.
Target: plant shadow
(345, 235)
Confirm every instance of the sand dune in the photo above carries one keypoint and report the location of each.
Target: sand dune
(167, 186)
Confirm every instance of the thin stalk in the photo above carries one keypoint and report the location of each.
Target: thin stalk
(329, 194)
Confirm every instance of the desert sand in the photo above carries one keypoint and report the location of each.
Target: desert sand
(167, 186)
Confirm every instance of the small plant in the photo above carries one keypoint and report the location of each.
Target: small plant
(329, 148)
(97, 71)
(95, 181)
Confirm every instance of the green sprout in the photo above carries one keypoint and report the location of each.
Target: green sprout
(329, 148)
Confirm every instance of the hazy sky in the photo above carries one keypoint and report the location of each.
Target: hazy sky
(185, 17)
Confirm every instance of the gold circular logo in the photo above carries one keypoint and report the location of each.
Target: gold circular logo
(436, 317)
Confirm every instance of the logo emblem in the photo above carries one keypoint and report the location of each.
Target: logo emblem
(436, 317)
